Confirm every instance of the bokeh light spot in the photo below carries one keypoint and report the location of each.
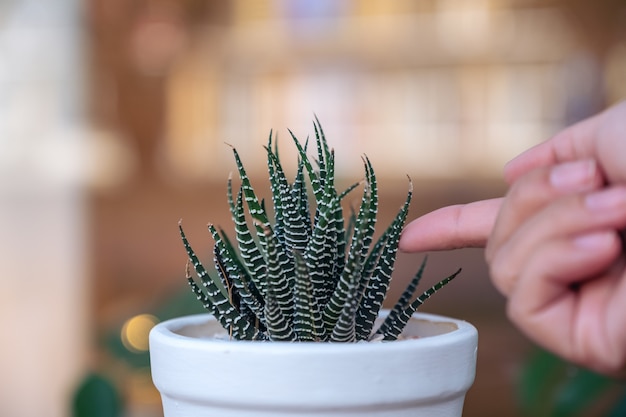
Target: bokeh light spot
(136, 330)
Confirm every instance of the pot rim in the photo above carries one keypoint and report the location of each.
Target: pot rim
(167, 332)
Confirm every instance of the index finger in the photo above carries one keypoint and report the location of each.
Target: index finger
(452, 227)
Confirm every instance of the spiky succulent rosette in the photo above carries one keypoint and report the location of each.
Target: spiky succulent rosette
(298, 275)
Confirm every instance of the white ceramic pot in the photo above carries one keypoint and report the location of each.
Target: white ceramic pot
(426, 376)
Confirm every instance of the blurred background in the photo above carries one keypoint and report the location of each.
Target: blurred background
(114, 116)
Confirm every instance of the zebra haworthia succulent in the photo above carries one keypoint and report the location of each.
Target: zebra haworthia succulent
(304, 275)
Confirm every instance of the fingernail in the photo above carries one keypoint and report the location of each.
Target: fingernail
(573, 176)
(595, 240)
(608, 199)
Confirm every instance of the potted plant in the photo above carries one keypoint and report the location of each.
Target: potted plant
(296, 327)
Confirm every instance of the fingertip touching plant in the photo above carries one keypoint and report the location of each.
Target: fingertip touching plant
(305, 275)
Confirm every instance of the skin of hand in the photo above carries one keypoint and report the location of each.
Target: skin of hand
(555, 242)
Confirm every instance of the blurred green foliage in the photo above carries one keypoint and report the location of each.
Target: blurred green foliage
(97, 397)
(551, 387)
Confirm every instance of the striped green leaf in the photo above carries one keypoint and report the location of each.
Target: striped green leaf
(298, 277)
(379, 267)
(396, 323)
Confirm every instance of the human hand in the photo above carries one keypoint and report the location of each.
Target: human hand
(553, 243)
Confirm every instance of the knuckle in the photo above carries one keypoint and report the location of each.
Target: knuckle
(529, 187)
(513, 312)
(607, 358)
(532, 189)
(502, 275)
